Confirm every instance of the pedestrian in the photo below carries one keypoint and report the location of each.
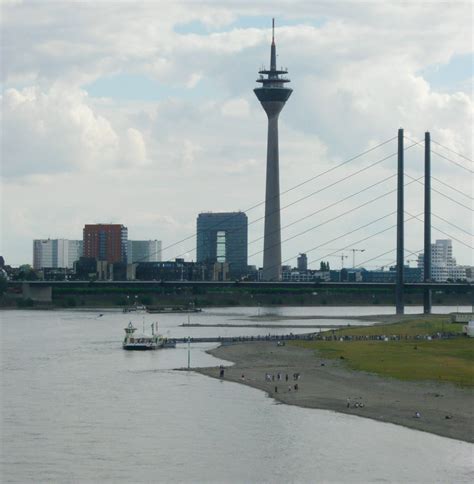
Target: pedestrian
(276, 389)
(296, 387)
(279, 376)
(273, 377)
(289, 388)
(221, 372)
(286, 377)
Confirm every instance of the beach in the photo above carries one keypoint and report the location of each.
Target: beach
(444, 409)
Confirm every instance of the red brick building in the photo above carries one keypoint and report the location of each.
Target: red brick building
(106, 242)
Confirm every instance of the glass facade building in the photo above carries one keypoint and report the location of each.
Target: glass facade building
(56, 253)
(222, 237)
(144, 251)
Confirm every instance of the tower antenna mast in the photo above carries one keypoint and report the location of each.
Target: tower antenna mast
(272, 95)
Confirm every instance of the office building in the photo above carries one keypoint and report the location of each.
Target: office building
(143, 251)
(56, 253)
(222, 237)
(442, 261)
(106, 242)
(302, 263)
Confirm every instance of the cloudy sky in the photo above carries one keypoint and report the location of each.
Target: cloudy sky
(143, 113)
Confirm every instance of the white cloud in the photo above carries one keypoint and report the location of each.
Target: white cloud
(59, 131)
(357, 75)
(238, 108)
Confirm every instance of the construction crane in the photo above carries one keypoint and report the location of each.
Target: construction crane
(342, 256)
(354, 256)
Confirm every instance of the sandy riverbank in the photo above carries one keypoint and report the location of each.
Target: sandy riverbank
(330, 386)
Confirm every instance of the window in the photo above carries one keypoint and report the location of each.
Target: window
(220, 246)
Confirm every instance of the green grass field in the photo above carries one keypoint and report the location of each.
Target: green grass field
(412, 327)
(450, 360)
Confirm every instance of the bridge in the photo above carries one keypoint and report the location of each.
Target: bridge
(43, 290)
(234, 284)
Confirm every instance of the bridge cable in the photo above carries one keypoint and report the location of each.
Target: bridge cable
(443, 156)
(334, 218)
(286, 191)
(388, 252)
(439, 230)
(450, 223)
(334, 204)
(453, 188)
(346, 177)
(441, 193)
(318, 191)
(356, 242)
(452, 151)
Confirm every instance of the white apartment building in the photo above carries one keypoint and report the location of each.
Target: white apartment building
(443, 264)
(143, 251)
(56, 253)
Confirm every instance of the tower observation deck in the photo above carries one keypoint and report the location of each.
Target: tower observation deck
(272, 95)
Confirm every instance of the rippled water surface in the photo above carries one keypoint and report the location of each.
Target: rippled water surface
(75, 407)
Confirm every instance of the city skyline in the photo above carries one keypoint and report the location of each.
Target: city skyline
(161, 125)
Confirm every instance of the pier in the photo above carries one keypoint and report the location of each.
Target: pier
(240, 339)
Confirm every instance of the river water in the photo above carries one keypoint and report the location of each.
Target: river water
(75, 407)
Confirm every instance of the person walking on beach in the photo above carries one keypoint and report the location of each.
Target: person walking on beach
(286, 377)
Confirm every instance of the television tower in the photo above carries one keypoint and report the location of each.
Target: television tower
(272, 95)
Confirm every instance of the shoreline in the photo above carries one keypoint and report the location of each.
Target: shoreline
(331, 386)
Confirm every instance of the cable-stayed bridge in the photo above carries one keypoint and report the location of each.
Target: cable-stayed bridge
(361, 222)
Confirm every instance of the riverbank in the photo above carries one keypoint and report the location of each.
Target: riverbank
(444, 409)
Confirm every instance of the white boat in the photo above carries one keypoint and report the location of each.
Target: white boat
(136, 308)
(142, 342)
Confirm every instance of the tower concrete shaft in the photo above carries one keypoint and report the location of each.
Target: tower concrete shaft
(273, 96)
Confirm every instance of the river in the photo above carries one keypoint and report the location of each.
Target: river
(75, 407)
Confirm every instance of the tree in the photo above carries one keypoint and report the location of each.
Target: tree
(3, 284)
(324, 266)
(26, 273)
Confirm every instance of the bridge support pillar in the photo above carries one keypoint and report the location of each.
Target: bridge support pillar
(427, 246)
(399, 299)
(37, 293)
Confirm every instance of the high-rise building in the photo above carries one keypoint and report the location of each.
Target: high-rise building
(272, 95)
(442, 260)
(106, 242)
(56, 253)
(222, 238)
(302, 262)
(144, 251)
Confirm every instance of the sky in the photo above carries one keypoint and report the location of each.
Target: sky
(143, 113)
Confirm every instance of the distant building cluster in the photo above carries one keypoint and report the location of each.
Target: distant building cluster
(106, 253)
(102, 247)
